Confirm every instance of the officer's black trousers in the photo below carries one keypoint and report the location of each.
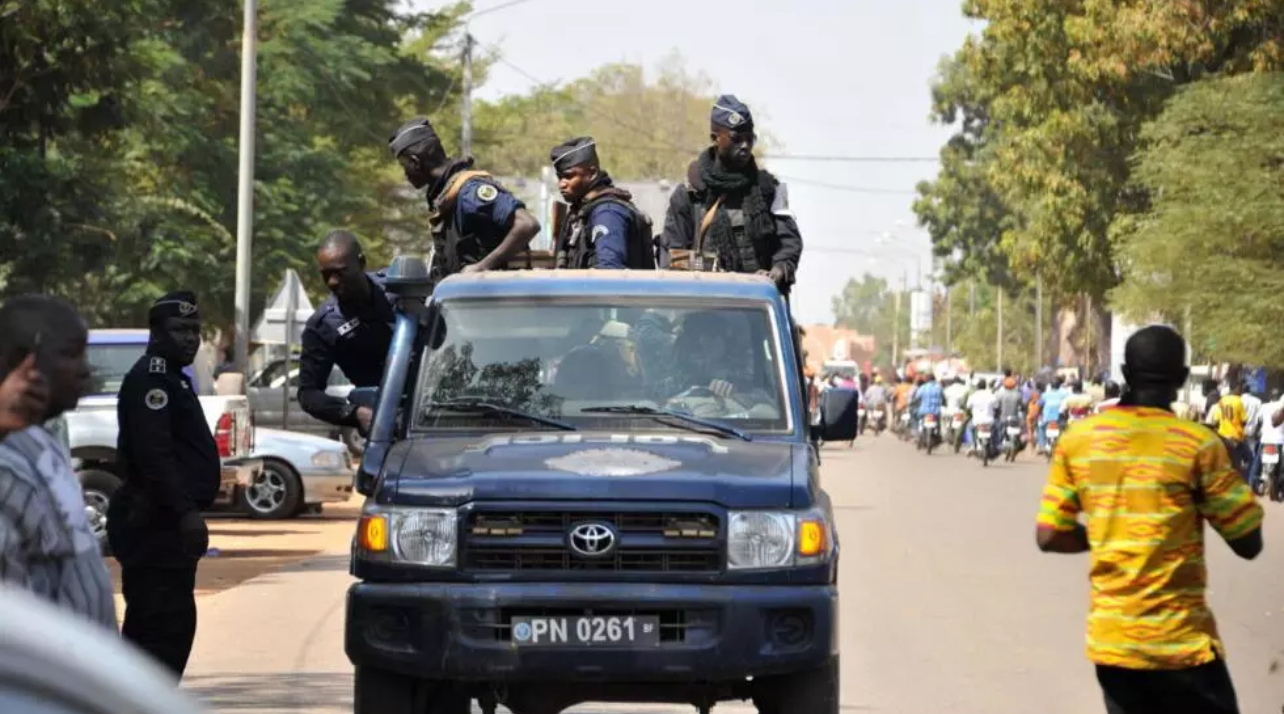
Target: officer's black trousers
(160, 611)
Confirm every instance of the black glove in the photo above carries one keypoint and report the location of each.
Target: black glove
(195, 535)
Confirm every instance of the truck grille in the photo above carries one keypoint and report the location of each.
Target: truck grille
(539, 540)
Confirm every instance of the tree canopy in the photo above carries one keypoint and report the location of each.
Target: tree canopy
(1053, 104)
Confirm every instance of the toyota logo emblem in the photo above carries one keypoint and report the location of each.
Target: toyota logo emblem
(592, 540)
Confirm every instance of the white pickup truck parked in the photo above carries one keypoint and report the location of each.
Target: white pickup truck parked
(92, 427)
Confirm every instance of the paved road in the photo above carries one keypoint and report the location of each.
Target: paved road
(947, 605)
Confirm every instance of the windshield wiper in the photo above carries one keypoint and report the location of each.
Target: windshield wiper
(639, 409)
(478, 406)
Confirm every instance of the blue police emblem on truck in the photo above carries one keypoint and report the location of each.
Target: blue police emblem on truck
(612, 462)
(522, 632)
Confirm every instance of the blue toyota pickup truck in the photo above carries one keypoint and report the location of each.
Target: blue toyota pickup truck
(592, 486)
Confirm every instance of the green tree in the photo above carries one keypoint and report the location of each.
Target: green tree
(1212, 239)
(869, 306)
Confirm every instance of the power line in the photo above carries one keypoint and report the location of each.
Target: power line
(854, 159)
(845, 187)
(495, 8)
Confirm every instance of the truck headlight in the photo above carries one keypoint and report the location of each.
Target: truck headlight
(415, 536)
(760, 540)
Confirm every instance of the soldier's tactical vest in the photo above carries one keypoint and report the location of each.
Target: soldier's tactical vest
(576, 247)
(708, 257)
(455, 248)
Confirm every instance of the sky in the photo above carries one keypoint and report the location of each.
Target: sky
(825, 77)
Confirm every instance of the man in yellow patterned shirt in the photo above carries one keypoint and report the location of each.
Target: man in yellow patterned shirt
(1145, 482)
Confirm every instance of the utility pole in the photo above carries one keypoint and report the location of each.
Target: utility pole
(1038, 322)
(466, 106)
(998, 337)
(245, 189)
(949, 321)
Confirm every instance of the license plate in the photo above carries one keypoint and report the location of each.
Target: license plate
(1014, 431)
(1270, 455)
(984, 433)
(586, 631)
(1053, 431)
(958, 421)
(929, 421)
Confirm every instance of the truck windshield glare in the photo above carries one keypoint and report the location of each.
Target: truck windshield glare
(567, 359)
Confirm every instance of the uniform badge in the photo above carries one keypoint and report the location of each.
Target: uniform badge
(156, 399)
(349, 326)
(598, 232)
(156, 365)
(486, 192)
(186, 308)
(734, 119)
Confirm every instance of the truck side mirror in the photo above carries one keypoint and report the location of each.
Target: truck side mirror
(839, 420)
(367, 397)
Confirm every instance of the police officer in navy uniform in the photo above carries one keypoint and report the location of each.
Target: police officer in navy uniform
(476, 223)
(351, 329)
(732, 209)
(603, 228)
(171, 469)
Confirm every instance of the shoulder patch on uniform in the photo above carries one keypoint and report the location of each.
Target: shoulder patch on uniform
(599, 231)
(156, 365)
(156, 399)
(486, 192)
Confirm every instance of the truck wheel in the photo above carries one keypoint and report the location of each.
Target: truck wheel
(813, 691)
(97, 487)
(274, 494)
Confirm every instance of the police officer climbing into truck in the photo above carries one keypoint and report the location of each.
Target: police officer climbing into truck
(604, 229)
(170, 466)
(476, 224)
(352, 329)
(732, 211)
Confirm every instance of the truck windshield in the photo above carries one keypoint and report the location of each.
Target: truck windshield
(110, 363)
(567, 359)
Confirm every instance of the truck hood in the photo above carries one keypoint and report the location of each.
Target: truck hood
(450, 471)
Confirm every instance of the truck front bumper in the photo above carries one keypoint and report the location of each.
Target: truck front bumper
(710, 633)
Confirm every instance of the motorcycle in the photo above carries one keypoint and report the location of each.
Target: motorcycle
(904, 430)
(880, 421)
(1012, 439)
(860, 420)
(957, 423)
(1052, 432)
(929, 435)
(1270, 482)
(984, 445)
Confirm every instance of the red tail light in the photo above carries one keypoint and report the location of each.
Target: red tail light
(223, 435)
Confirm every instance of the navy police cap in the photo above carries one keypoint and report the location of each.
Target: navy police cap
(730, 113)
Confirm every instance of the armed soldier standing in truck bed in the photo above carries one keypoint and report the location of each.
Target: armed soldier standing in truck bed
(170, 464)
(732, 211)
(476, 224)
(603, 229)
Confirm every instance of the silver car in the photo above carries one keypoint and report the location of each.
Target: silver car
(301, 472)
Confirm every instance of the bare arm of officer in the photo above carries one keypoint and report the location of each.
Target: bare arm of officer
(149, 431)
(524, 227)
(315, 365)
(677, 220)
(610, 235)
(790, 251)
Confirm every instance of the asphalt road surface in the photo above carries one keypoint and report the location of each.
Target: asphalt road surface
(947, 606)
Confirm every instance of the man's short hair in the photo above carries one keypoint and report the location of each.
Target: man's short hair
(29, 321)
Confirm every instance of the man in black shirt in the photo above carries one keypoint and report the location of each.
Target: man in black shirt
(170, 465)
(352, 329)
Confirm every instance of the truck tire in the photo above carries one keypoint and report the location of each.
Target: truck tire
(275, 494)
(98, 486)
(814, 691)
(376, 691)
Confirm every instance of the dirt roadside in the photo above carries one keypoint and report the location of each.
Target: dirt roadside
(248, 548)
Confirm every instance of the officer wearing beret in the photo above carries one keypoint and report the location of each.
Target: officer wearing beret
(476, 224)
(170, 466)
(351, 329)
(731, 210)
(604, 229)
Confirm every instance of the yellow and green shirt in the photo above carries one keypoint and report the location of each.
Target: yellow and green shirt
(1230, 417)
(1133, 473)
